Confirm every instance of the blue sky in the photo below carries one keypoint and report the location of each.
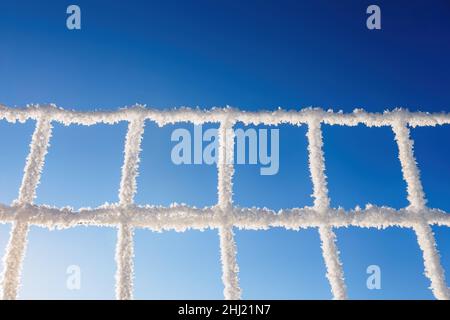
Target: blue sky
(248, 54)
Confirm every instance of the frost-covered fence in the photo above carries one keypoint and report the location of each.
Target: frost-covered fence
(126, 216)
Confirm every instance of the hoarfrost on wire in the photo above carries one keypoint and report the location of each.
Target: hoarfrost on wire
(127, 216)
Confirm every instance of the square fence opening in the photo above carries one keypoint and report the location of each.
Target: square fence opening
(268, 177)
(270, 271)
(82, 166)
(76, 263)
(182, 265)
(167, 175)
(433, 151)
(357, 178)
(14, 143)
(378, 267)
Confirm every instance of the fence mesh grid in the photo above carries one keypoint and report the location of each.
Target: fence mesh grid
(224, 216)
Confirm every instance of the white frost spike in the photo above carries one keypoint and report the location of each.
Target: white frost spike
(16, 247)
(225, 171)
(124, 248)
(330, 253)
(416, 197)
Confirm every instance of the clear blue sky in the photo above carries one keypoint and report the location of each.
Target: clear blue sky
(248, 54)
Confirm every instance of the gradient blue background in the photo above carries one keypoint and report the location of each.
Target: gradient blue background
(248, 54)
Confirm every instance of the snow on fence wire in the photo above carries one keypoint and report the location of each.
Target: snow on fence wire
(126, 216)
